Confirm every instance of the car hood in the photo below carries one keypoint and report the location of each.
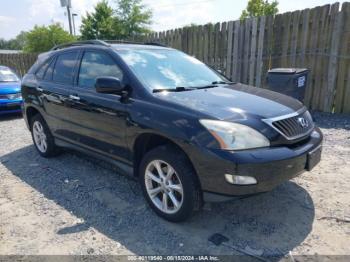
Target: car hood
(235, 102)
(10, 87)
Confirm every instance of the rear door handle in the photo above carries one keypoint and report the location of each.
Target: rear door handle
(73, 97)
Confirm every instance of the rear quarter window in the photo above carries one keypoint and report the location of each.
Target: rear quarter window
(40, 73)
(49, 71)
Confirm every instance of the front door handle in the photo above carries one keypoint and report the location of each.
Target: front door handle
(73, 97)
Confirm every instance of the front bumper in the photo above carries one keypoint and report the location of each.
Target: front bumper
(269, 166)
(10, 106)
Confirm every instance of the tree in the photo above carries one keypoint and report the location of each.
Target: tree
(130, 18)
(21, 39)
(14, 44)
(43, 38)
(133, 18)
(256, 8)
(100, 24)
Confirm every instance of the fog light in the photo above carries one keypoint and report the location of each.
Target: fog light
(240, 180)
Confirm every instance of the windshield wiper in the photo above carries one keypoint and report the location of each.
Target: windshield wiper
(207, 86)
(177, 89)
(214, 84)
(183, 88)
(222, 83)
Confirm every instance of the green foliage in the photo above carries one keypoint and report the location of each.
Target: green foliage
(14, 44)
(21, 39)
(256, 8)
(43, 38)
(129, 19)
(100, 24)
(132, 18)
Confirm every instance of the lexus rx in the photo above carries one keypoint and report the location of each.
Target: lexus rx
(186, 132)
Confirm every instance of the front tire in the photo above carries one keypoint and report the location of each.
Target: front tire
(42, 137)
(170, 184)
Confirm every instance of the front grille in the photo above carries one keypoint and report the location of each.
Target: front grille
(10, 107)
(294, 127)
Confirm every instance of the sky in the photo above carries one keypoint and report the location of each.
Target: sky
(18, 15)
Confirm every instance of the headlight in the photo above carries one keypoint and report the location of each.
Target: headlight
(235, 136)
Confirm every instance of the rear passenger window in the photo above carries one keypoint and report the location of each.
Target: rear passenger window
(63, 72)
(97, 64)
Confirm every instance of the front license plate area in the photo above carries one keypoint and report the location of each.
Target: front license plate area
(313, 158)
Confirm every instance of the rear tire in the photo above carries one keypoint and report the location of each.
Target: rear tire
(170, 184)
(42, 137)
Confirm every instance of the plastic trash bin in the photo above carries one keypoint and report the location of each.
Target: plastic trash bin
(289, 81)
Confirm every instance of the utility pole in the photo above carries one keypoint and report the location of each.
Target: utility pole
(73, 15)
(69, 20)
(68, 5)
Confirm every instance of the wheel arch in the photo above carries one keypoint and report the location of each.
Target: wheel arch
(148, 141)
(30, 112)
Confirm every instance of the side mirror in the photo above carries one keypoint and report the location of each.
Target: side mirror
(109, 85)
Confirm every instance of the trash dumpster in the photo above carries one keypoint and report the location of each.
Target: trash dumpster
(289, 81)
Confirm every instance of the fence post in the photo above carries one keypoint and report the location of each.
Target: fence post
(342, 68)
(259, 63)
(252, 60)
(336, 29)
(229, 49)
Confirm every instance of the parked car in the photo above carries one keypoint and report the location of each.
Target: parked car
(10, 91)
(186, 132)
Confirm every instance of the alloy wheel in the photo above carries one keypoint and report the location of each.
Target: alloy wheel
(164, 187)
(39, 136)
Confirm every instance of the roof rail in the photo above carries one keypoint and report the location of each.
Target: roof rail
(122, 42)
(79, 43)
(133, 42)
(103, 43)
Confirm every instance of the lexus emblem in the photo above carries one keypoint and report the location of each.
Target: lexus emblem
(303, 122)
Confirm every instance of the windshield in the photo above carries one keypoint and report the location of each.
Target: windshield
(6, 75)
(169, 69)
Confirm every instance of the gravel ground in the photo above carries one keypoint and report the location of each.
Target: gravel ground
(73, 205)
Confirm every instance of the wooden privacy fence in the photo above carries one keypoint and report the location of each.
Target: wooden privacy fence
(18, 62)
(317, 39)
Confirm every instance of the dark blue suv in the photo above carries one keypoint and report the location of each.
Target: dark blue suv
(186, 132)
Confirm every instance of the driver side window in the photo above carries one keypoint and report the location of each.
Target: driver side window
(97, 64)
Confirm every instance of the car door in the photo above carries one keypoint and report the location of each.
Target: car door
(55, 86)
(99, 119)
